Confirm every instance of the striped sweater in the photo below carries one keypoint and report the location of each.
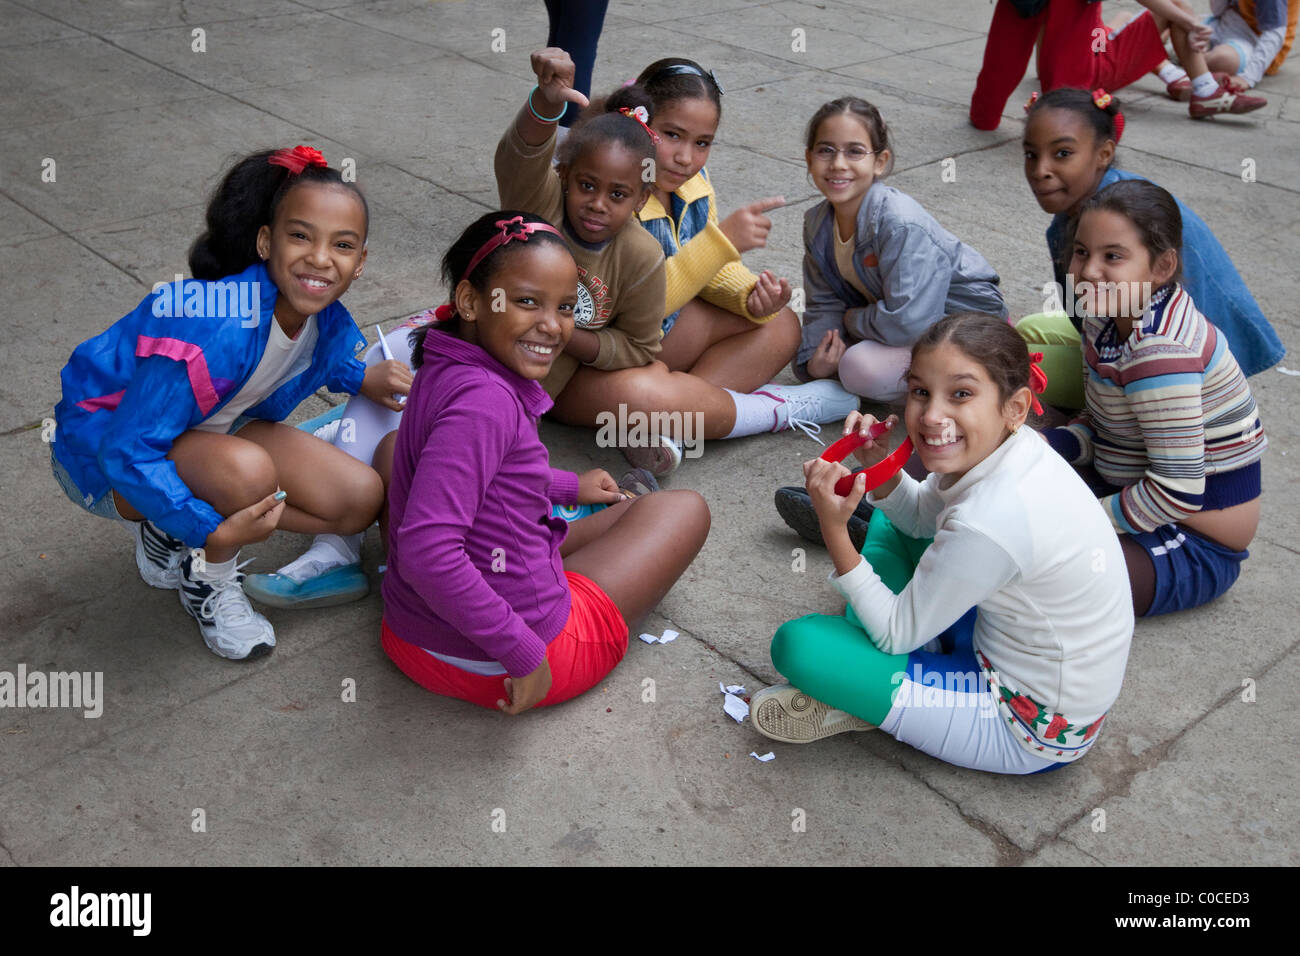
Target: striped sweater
(1166, 409)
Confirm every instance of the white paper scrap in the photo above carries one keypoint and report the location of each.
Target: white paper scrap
(736, 708)
(1287, 371)
(763, 759)
(649, 638)
(733, 689)
(668, 636)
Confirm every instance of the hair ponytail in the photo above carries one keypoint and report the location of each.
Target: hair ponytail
(246, 200)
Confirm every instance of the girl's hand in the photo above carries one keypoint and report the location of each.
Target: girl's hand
(555, 72)
(1238, 84)
(597, 487)
(385, 380)
(769, 295)
(747, 227)
(875, 450)
(247, 526)
(527, 692)
(833, 512)
(1199, 36)
(825, 362)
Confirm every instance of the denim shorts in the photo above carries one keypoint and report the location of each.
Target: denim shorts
(102, 507)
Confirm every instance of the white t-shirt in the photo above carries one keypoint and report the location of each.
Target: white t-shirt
(283, 359)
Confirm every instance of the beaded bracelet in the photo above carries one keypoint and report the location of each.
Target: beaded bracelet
(539, 116)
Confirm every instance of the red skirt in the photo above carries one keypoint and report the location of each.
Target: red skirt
(593, 641)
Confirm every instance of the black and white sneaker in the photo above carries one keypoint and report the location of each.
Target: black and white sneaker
(158, 556)
(795, 507)
(228, 623)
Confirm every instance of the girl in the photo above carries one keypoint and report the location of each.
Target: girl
(878, 269)
(485, 598)
(1070, 141)
(1023, 585)
(609, 362)
(724, 324)
(169, 418)
(1170, 423)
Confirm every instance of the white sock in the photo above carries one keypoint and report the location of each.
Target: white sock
(755, 414)
(214, 570)
(327, 552)
(1204, 85)
(1170, 73)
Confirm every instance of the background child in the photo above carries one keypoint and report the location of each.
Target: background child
(878, 269)
(1248, 39)
(1070, 146)
(1170, 424)
(1067, 31)
(485, 598)
(600, 184)
(168, 419)
(1023, 583)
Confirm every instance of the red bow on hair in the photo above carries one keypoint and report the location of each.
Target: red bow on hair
(1033, 98)
(639, 114)
(1101, 99)
(444, 312)
(297, 159)
(1037, 380)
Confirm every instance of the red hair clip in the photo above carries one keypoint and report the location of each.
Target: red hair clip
(297, 159)
(1033, 98)
(639, 114)
(1037, 380)
(514, 228)
(1100, 98)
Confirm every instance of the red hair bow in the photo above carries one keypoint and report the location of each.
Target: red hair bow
(1037, 380)
(444, 312)
(639, 114)
(297, 159)
(1101, 99)
(1033, 98)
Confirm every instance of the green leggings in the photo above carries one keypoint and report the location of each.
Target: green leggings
(830, 657)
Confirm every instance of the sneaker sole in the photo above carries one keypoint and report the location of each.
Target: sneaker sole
(660, 460)
(347, 595)
(801, 516)
(790, 716)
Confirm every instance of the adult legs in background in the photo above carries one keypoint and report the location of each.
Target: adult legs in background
(574, 26)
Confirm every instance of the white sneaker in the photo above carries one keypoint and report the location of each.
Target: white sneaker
(228, 623)
(809, 406)
(787, 714)
(158, 555)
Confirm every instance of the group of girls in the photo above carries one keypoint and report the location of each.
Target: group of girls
(1001, 570)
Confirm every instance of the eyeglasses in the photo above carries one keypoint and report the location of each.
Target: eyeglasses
(854, 154)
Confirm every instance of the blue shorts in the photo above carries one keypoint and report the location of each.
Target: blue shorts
(1190, 570)
(102, 507)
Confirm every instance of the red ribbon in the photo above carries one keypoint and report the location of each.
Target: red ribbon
(297, 159)
(636, 114)
(1037, 380)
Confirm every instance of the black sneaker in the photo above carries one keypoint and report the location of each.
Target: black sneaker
(796, 509)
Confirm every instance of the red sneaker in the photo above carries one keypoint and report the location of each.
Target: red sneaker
(1223, 100)
(1181, 90)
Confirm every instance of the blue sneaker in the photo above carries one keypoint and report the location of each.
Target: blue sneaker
(338, 586)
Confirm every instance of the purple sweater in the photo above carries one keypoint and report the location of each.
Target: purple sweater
(474, 567)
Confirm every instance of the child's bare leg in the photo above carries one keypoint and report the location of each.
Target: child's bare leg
(1223, 59)
(754, 356)
(329, 491)
(728, 350)
(383, 463)
(227, 472)
(650, 388)
(1193, 61)
(636, 551)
